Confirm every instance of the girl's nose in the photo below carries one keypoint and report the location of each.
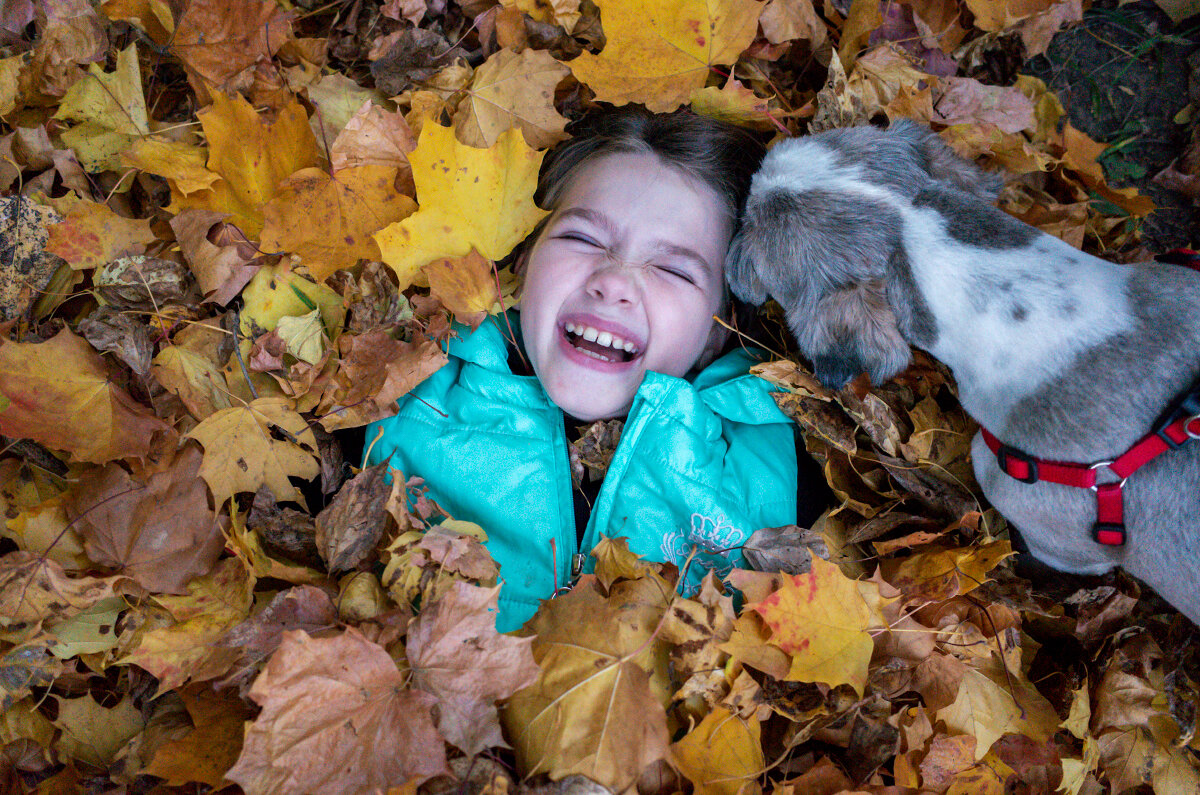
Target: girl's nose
(613, 282)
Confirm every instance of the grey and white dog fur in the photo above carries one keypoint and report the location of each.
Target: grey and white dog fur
(874, 239)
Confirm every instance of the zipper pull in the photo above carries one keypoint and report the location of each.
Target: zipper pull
(577, 561)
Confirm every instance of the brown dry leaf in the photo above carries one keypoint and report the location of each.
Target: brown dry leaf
(186, 651)
(963, 100)
(153, 526)
(512, 90)
(328, 221)
(457, 656)
(375, 137)
(222, 267)
(60, 396)
(596, 709)
(217, 40)
(336, 717)
(348, 529)
(91, 234)
(241, 451)
(940, 574)
(211, 748)
(749, 644)
(304, 607)
(659, 52)
(723, 755)
(375, 370)
(787, 20)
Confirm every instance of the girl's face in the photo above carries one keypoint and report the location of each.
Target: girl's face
(625, 277)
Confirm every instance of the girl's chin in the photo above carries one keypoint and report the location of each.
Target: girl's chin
(588, 402)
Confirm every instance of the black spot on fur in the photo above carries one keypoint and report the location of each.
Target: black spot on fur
(968, 220)
(1019, 313)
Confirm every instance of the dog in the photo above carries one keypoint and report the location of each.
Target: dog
(873, 240)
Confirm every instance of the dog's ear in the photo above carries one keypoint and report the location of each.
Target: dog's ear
(741, 274)
(853, 330)
(947, 167)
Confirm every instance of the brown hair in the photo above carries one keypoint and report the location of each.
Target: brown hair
(714, 153)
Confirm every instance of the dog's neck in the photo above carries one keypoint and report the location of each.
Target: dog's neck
(1008, 320)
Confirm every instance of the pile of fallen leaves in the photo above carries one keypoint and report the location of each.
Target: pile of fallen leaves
(230, 231)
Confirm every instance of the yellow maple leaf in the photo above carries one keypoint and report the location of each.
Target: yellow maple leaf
(469, 198)
(91, 235)
(111, 110)
(992, 702)
(732, 102)
(722, 754)
(466, 285)
(183, 165)
(153, 16)
(241, 452)
(328, 220)
(821, 620)
(564, 13)
(93, 733)
(513, 90)
(252, 155)
(60, 395)
(660, 51)
(596, 708)
(186, 650)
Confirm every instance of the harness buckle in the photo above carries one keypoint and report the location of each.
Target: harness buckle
(1110, 535)
(1190, 405)
(1004, 453)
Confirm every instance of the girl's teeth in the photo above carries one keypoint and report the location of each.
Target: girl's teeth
(605, 338)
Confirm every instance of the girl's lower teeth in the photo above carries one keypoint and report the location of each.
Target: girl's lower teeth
(595, 355)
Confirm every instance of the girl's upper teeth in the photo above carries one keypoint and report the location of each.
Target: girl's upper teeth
(605, 338)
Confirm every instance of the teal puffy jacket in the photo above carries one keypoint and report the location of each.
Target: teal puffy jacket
(700, 466)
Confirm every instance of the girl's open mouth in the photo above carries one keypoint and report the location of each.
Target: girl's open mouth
(600, 345)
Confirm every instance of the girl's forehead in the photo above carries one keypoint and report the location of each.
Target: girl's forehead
(635, 173)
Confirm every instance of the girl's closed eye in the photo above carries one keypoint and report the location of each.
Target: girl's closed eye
(677, 272)
(578, 237)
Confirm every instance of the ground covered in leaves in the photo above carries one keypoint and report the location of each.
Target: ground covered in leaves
(231, 233)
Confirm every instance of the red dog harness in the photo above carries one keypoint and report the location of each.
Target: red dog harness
(1181, 425)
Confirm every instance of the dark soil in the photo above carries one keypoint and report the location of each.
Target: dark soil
(1125, 74)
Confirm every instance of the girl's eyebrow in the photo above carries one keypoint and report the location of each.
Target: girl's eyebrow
(602, 221)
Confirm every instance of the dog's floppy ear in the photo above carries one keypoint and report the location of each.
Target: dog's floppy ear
(945, 166)
(741, 274)
(852, 330)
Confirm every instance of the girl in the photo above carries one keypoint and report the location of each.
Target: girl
(621, 285)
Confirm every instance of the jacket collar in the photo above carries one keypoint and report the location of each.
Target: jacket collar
(725, 386)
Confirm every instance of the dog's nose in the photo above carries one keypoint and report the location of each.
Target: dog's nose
(835, 372)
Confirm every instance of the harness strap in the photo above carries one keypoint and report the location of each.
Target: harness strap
(1109, 528)
(1180, 424)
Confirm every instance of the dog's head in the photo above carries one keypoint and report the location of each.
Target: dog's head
(821, 228)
